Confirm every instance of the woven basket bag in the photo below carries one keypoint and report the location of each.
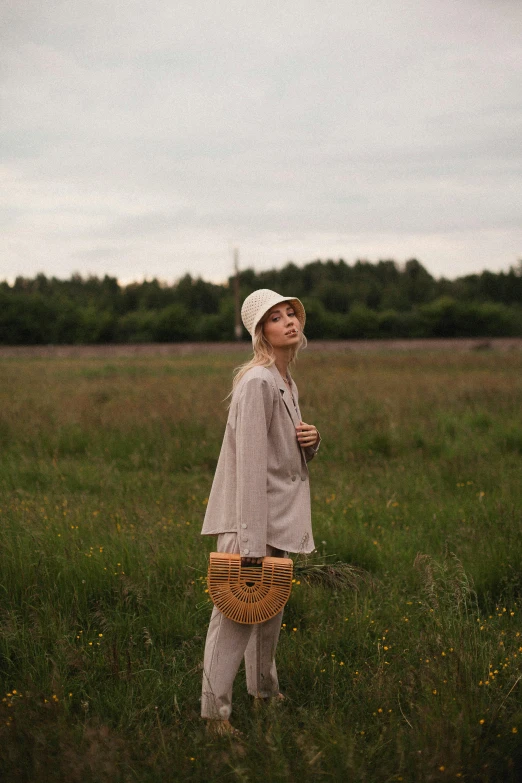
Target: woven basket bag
(249, 594)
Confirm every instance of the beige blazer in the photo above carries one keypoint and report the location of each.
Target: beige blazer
(261, 488)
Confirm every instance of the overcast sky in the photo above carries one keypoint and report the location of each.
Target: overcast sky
(150, 138)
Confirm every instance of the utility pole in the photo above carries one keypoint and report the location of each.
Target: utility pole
(237, 327)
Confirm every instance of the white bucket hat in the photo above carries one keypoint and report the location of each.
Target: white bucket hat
(260, 301)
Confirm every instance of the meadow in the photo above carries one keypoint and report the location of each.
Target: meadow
(105, 469)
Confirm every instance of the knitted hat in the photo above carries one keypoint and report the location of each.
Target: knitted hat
(259, 302)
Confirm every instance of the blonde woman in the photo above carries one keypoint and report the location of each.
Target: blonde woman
(260, 499)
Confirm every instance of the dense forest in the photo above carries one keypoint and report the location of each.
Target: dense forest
(380, 300)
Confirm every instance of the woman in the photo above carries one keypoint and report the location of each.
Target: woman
(260, 499)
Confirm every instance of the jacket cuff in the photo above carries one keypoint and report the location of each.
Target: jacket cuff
(246, 549)
(311, 451)
(251, 544)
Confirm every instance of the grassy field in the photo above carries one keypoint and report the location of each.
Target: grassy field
(105, 469)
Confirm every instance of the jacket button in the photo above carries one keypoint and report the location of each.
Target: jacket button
(243, 526)
(294, 478)
(246, 551)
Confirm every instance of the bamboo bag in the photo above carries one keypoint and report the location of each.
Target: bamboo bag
(250, 593)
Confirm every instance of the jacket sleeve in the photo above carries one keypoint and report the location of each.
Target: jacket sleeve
(311, 451)
(254, 414)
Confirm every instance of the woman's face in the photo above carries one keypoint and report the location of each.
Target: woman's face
(281, 326)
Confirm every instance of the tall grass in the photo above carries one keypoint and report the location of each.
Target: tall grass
(105, 470)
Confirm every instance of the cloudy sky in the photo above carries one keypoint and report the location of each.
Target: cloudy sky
(148, 138)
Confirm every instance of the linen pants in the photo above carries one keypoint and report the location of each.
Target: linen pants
(228, 642)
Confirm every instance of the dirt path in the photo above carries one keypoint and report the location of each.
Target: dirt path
(183, 349)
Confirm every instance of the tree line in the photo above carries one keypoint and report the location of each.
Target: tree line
(376, 300)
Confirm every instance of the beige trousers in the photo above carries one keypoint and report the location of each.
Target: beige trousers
(227, 643)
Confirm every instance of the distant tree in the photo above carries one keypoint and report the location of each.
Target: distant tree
(290, 280)
(26, 318)
(342, 300)
(417, 282)
(173, 324)
(137, 326)
(361, 322)
(334, 297)
(198, 295)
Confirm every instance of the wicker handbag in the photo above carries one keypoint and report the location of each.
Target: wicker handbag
(249, 593)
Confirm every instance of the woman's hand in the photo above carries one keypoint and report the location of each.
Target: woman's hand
(251, 560)
(307, 435)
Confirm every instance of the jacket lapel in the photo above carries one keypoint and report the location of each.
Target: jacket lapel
(296, 399)
(287, 398)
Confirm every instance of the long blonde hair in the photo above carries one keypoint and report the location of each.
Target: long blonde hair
(263, 355)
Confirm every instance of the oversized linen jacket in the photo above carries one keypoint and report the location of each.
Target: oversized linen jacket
(261, 488)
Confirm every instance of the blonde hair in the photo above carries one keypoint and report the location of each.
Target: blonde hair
(263, 354)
